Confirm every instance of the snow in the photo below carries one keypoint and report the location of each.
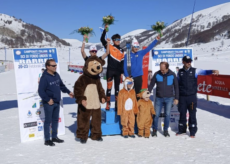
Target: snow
(211, 145)
(74, 42)
(208, 15)
(16, 25)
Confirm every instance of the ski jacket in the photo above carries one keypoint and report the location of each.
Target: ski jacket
(167, 84)
(137, 61)
(116, 56)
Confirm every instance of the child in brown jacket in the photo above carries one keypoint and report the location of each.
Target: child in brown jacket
(127, 107)
(146, 113)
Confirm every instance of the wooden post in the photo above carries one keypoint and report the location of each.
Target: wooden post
(207, 97)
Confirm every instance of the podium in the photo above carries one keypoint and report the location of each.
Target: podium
(110, 124)
(110, 121)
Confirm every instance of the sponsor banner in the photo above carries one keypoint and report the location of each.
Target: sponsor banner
(75, 68)
(171, 55)
(28, 64)
(145, 67)
(214, 85)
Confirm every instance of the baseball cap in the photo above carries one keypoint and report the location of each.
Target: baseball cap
(93, 47)
(187, 59)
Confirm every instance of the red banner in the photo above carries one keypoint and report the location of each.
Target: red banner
(214, 85)
(145, 67)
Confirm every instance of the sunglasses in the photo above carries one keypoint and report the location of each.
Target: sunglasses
(93, 51)
(117, 39)
(53, 65)
(136, 46)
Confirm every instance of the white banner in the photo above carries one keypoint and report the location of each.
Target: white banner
(28, 64)
(174, 57)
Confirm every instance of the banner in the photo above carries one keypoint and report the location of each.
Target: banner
(214, 85)
(145, 67)
(28, 64)
(76, 68)
(174, 57)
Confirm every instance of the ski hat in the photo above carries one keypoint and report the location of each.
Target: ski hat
(187, 59)
(135, 42)
(92, 47)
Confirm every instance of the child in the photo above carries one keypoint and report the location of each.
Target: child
(146, 113)
(127, 107)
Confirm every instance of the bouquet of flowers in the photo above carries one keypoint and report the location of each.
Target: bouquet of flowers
(84, 31)
(159, 27)
(108, 20)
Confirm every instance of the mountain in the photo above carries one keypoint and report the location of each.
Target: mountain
(208, 25)
(15, 33)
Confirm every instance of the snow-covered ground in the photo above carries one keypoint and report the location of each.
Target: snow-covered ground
(211, 145)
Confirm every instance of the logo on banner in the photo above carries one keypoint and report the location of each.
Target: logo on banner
(30, 124)
(29, 114)
(31, 135)
(18, 52)
(40, 126)
(156, 52)
(34, 105)
(38, 112)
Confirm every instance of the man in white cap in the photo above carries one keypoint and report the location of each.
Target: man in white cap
(93, 50)
(136, 62)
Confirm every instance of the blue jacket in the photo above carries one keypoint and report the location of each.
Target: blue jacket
(50, 87)
(167, 84)
(136, 61)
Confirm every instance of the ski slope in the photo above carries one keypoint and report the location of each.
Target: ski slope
(211, 145)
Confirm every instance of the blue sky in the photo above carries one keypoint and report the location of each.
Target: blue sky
(61, 17)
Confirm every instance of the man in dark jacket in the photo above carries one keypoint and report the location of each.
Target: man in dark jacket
(187, 79)
(49, 90)
(167, 92)
(114, 67)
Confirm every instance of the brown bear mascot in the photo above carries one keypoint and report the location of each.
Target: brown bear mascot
(146, 113)
(89, 93)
